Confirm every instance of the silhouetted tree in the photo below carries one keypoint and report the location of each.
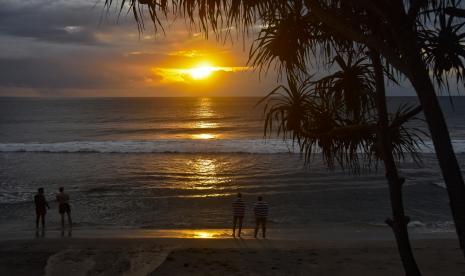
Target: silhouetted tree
(345, 116)
(394, 29)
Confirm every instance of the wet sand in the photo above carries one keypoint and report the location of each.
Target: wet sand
(222, 256)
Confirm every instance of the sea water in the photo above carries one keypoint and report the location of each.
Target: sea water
(177, 163)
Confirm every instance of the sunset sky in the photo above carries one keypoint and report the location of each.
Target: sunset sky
(78, 48)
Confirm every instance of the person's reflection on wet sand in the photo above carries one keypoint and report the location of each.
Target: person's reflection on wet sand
(40, 233)
(70, 232)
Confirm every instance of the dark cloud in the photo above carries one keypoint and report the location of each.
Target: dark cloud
(54, 74)
(52, 21)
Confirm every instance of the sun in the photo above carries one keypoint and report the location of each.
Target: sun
(201, 72)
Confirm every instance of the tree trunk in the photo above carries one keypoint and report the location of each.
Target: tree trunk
(399, 221)
(452, 175)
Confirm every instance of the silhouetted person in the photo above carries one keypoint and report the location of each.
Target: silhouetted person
(260, 209)
(41, 207)
(63, 206)
(238, 213)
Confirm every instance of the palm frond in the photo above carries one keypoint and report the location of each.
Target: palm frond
(319, 117)
(444, 50)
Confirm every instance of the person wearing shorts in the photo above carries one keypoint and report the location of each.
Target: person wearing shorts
(238, 207)
(41, 205)
(261, 213)
(63, 206)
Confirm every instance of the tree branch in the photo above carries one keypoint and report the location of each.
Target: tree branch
(344, 30)
(405, 117)
(343, 131)
(455, 12)
(415, 8)
(374, 6)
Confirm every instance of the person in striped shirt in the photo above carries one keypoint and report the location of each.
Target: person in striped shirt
(260, 209)
(238, 207)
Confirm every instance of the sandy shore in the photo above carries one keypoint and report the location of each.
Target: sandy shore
(222, 256)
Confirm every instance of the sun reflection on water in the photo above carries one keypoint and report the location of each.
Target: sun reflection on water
(205, 108)
(204, 235)
(207, 172)
(205, 112)
(205, 166)
(203, 124)
(204, 136)
(188, 233)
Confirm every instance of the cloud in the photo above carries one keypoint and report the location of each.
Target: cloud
(52, 21)
(45, 73)
(62, 47)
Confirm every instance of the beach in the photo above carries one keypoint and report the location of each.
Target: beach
(151, 192)
(139, 255)
(221, 137)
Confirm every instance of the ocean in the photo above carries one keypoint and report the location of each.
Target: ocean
(177, 163)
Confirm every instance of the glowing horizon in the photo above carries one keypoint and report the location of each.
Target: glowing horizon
(89, 58)
(200, 72)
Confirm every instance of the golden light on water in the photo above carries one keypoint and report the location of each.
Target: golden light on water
(184, 233)
(204, 235)
(205, 112)
(204, 136)
(204, 124)
(207, 170)
(204, 166)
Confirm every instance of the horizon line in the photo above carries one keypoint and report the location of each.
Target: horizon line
(116, 97)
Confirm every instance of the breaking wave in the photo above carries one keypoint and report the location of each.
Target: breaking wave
(258, 146)
(253, 146)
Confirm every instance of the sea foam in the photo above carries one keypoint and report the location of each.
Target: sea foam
(253, 146)
(258, 146)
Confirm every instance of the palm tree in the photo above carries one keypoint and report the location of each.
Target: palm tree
(394, 138)
(352, 85)
(443, 49)
(319, 115)
(391, 28)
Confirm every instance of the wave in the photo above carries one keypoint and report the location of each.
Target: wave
(432, 227)
(419, 226)
(440, 184)
(257, 146)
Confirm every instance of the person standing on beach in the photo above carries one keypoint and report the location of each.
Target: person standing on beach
(238, 207)
(41, 207)
(63, 206)
(260, 210)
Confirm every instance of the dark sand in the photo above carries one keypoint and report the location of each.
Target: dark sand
(155, 256)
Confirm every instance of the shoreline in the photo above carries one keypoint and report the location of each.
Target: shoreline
(319, 233)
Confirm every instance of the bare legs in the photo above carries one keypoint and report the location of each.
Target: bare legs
(264, 227)
(236, 220)
(41, 218)
(63, 219)
(69, 220)
(258, 222)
